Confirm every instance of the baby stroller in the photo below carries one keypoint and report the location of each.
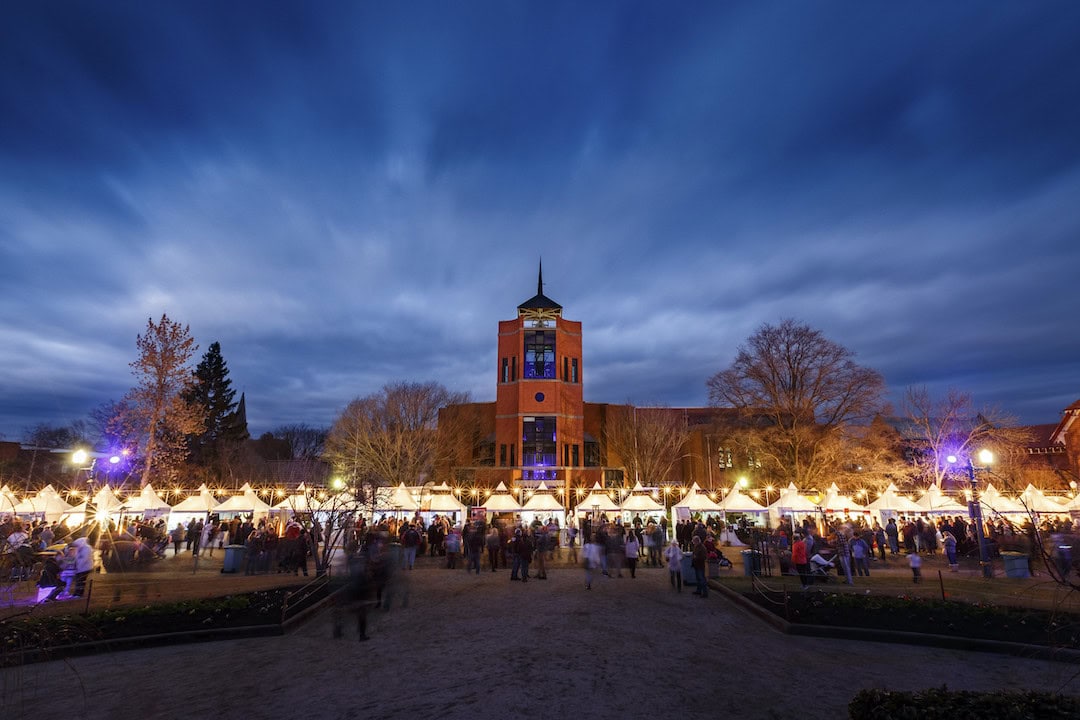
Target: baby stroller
(819, 568)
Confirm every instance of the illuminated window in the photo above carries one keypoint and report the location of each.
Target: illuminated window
(540, 355)
(538, 446)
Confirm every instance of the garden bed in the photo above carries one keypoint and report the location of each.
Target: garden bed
(30, 637)
(920, 615)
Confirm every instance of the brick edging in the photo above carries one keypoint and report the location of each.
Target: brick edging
(1035, 652)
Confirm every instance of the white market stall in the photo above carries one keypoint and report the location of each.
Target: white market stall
(46, 504)
(105, 506)
(737, 502)
(247, 503)
(992, 499)
(543, 504)
(8, 501)
(836, 503)
(499, 502)
(695, 501)
(147, 503)
(595, 503)
(891, 503)
(791, 504)
(399, 502)
(440, 500)
(194, 507)
(1036, 501)
(641, 501)
(935, 502)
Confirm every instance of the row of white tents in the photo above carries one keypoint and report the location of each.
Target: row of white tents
(541, 502)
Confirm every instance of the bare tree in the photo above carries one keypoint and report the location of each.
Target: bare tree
(305, 442)
(158, 409)
(952, 425)
(389, 437)
(650, 441)
(808, 387)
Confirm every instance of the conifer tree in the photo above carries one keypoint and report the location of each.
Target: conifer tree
(224, 430)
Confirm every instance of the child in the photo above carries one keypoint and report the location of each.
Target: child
(916, 566)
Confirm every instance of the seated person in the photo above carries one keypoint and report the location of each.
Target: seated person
(50, 576)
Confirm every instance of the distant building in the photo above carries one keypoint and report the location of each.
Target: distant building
(540, 429)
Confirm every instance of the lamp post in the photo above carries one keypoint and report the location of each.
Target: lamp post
(975, 508)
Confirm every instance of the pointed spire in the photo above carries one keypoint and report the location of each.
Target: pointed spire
(540, 301)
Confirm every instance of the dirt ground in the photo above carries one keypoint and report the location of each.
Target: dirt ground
(457, 645)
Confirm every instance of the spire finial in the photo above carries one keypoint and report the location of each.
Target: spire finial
(540, 279)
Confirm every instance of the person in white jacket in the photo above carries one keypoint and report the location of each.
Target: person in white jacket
(84, 563)
(673, 555)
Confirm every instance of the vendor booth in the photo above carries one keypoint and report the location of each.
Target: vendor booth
(46, 504)
(934, 502)
(246, 504)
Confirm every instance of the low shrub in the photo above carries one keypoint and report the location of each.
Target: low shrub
(944, 704)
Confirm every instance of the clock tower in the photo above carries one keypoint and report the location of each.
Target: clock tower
(539, 410)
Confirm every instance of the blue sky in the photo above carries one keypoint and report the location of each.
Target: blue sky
(348, 194)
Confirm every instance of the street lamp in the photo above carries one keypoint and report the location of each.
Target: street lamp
(975, 508)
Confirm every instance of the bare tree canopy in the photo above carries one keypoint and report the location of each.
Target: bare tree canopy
(391, 436)
(305, 442)
(952, 425)
(648, 440)
(808, 387)
(161, 415)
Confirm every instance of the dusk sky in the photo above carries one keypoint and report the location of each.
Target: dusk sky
(349, 194)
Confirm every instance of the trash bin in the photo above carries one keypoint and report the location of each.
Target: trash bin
(1016, 564)
(688, 577)
(234, 558)
(751, 562)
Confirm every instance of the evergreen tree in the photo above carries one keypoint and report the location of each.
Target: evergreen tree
(225, 428)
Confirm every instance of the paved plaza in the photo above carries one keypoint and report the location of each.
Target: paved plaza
(465, 645)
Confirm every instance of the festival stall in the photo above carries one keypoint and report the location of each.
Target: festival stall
(246, 504)
(543, 505)
(935, 502)
(639, 502)
(1036, 501)
(834, 503)
(440, 500)
(992, 499)
(596, 503)
(737, 502)
(695, 502)
(105, 506)
(500, 502)
(194, 507)
(147, 503)
(8, 501)
(399, 502)
(46, 504)
(891, 504)
(793, 506)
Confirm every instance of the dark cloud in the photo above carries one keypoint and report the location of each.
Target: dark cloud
(356, 194)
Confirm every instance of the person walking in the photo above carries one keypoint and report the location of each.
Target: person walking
(633, 548)
(915, 562)
(453, 548)
(860, 554)
(893, 534)
(492, 542)
(525, 549)
(800, 561)
(948, 541)
(697, 548)
(673, 556)
(476, 547)
(843, 553)
(592, 553)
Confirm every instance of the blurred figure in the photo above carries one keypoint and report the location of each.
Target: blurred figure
(357, 598)
(673, 556)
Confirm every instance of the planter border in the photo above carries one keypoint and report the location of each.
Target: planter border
(1035, 652)
(93, 647)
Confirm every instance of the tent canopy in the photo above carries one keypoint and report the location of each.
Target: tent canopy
(737, 502)
(791, 501)
(246, 501)
(500, 501)
(202, 502)
(598, 500)
(835, 502)
(147, 501)
(543, 501)
(891, 500)
(1033, 499)
(934, 501)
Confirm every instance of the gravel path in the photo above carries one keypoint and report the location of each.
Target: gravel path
(484, 647)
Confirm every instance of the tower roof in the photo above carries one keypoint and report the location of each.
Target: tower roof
(540, 301)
